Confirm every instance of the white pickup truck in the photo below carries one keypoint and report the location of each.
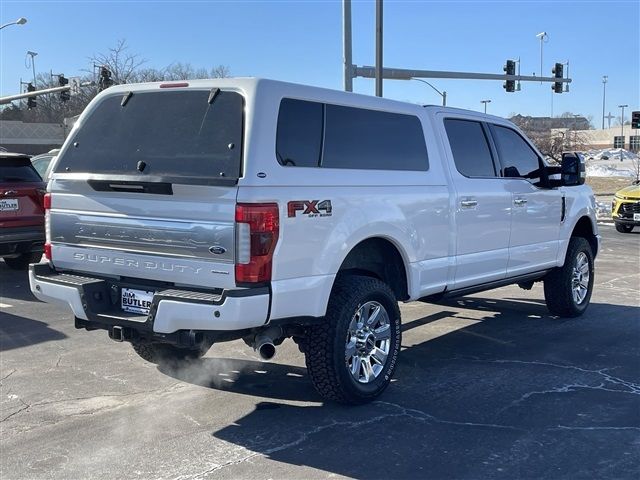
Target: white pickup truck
(183, 214)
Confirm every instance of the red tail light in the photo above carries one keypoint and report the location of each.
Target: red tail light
(46, 204)
(257, 233)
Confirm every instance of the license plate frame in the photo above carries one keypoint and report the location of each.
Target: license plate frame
(9, 205)
(133, 300)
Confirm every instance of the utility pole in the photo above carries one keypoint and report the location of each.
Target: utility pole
(604, 94)
(346, 46)
(378, 48)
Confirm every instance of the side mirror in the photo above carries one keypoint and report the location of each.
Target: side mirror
(572, 169)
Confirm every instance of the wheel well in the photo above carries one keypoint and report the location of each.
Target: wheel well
(584, 229)
(379, 258)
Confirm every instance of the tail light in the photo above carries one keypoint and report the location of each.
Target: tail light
(257, 234)
(46, 204)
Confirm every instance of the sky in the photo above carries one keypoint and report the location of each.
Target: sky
(301, 41)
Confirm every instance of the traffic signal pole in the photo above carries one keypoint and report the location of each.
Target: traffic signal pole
(36, 93)
(406, 74)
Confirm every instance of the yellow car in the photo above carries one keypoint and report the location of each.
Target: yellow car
(625, 208)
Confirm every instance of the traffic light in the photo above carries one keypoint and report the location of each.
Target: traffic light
(635, 120)
(63, 82)
(558, 72)
(105, 80)
(510, 69)
(31, 101)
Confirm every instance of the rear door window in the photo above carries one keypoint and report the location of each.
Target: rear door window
(470, 149)
(188, 133)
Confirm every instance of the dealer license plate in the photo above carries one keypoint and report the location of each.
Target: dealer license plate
(636, 217)
(136, 301)
(8, 205)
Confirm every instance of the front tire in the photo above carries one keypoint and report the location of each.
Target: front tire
(622, 228)
(352, 355)
(164, 353)
(567, 290)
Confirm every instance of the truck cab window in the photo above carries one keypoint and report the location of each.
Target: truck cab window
(517, 157)
(470, 148)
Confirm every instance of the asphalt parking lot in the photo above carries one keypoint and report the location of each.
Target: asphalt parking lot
(488, 386)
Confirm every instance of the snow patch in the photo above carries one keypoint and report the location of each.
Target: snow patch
(611, 162)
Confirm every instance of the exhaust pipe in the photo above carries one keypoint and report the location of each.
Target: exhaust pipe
(264, 342)
(267, 351)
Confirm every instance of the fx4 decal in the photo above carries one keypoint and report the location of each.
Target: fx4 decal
(311, 208)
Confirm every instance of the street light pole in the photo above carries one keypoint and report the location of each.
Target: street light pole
(622, 124)
(442, 94)
(485, 104)
(575, 132)
(20, 21)
(604, 93)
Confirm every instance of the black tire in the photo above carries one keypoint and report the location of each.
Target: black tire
(22, 262)
(326, 343)
(558, 286)
(622, 228)
(164, 353)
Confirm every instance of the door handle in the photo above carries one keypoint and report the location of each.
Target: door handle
(468, 203)
(520, 202)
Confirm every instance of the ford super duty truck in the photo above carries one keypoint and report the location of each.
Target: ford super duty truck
(183, 214)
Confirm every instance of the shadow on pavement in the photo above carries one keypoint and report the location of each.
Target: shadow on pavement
(517, 394)
(17, 332)
(14, 284)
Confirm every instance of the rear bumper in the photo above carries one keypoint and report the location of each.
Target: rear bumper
(96, 303)
(14, 241)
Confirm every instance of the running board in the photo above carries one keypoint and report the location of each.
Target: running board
(529, 277)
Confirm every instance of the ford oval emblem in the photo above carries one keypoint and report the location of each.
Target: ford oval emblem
(217, 250)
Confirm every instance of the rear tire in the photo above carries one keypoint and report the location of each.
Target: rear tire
(352, 355)
(567, 290)
(22, 261)
(164, 353)
(622, 228)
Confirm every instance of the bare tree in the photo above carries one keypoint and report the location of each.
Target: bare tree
(120, 61)
(552, 143)
(125, 67)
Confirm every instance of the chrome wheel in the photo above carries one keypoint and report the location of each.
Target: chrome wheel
(368, 342)
(580, 278)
